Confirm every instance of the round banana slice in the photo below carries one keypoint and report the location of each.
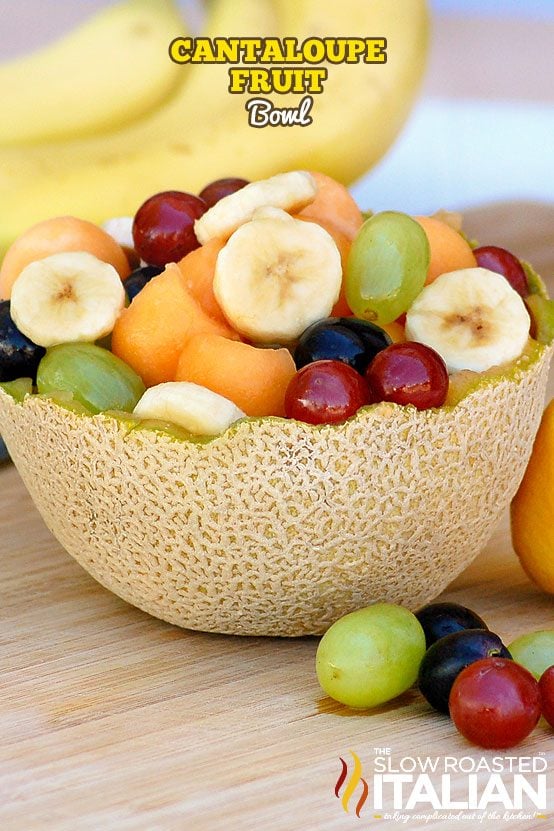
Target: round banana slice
(196, 408)
(289, 191)
(275, 276)
(67, 297)
(472, 317)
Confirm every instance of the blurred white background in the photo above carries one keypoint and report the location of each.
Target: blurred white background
(522, 8)
(483, 130)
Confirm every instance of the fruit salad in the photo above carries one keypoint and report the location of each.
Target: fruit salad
(253, 299)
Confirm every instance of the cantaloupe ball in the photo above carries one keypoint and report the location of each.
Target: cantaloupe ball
(54, 236)
(198, 270)
(150, 334)
(333, 204)
(254, 379)
(449, 250)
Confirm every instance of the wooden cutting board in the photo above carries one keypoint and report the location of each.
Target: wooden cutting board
(111, 719)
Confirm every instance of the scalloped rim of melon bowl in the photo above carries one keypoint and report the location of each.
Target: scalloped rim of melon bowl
(534, 353)
(322, 531)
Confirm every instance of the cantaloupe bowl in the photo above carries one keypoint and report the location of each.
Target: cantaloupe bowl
(277, 527)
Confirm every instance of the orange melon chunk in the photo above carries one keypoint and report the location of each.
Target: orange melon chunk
(333, 204)
(54, 236)
(449, 250)
(151, 333)
(254, 379)
(198, 269)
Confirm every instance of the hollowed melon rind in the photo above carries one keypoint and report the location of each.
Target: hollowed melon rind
(277, 528)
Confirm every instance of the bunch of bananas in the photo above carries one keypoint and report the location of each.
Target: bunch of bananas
(102, 119)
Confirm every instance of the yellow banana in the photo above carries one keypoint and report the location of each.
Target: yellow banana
(110, 70)
(203, 96)
(201, 99)
(184, 146)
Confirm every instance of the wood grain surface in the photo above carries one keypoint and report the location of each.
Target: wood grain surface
(111, 719)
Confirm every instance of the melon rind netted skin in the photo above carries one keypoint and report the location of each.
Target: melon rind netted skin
(278, 527)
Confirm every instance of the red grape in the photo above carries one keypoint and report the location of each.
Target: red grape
(503, 262)
(546, 686)
(325, 392)
(163, 229)
(409, 373)
(215, 191)
(495, 703)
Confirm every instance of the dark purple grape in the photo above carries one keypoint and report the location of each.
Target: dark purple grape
(215, 191)
(321, 342)
(373, 337)
(338, 339)
(19, 356)
(444, 661)
(137, 280)
(440, 619)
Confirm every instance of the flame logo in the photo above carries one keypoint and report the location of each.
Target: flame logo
(353, 781)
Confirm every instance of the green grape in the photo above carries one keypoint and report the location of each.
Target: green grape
(125, 418)
(371, 655)
(97, 379)
(541, 310)
(67, 401)
(18, 389)
(534, 651)
(168, 428)
(535, 283)
(387, 267)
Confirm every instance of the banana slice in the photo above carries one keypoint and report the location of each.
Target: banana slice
(270, 213)
(289, 191)
(121, 229)
(472, 317)
(67, 297)
(275, 276)
(197, 409)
